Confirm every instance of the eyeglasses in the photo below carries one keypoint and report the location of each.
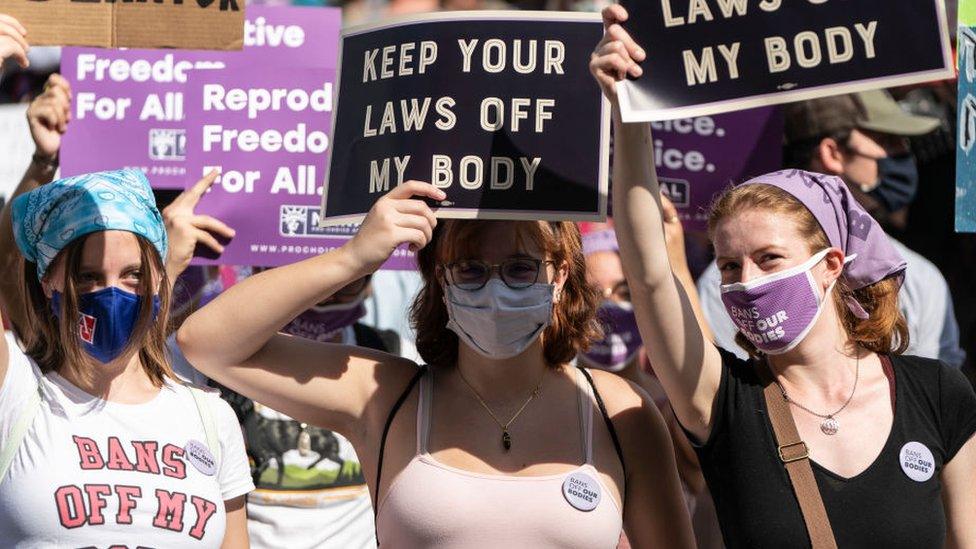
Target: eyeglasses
(516, 273)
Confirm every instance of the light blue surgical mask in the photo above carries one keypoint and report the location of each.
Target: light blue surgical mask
(496, 321)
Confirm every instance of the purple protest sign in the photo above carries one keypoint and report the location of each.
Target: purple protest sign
(128, 108)
(698, 157)
(270, 142)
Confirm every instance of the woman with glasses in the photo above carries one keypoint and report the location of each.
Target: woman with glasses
(496, 440)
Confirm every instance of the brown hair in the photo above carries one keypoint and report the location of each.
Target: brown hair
(884, 331)
(56, 345)
(574, 323)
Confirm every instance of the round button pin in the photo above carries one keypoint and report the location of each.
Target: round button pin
(582, 491)
(917, 461)
(200, 457)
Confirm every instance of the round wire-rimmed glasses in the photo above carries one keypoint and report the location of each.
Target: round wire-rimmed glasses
(473, 274)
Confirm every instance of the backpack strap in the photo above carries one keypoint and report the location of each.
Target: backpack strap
(19, 431)
(794, 455)
(207, 418)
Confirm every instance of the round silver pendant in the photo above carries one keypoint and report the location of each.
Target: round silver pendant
(829, 426)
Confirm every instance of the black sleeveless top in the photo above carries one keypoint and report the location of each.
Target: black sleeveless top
(935, 407)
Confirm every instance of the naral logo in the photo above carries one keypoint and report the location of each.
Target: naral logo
(304, 221)
(677, 191)
(86, 328)
(167, 144)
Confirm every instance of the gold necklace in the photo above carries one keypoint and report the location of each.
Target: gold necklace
(506, 437)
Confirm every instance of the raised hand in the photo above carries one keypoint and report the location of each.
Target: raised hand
(13, 43)
(186, 229)
(399, 217)
(617, 55)
(48, 116)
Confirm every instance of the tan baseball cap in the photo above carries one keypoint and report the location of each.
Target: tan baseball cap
(873, 110)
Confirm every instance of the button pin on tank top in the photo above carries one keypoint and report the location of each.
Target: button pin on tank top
(304, 441)
(582, 491)
(200, 457)
(917, 461)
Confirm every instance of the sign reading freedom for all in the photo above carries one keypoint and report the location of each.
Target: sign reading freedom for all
(713, 56)
(193, 24)
(131, 102)
(699, 157)
(498, 109)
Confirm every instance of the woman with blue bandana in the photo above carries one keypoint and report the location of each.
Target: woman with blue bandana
(99, 446)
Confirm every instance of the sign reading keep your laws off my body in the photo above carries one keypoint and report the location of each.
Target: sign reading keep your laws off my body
(498, 109)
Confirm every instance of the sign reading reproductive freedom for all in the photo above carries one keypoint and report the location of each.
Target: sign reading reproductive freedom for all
(712, 56)
(699, 157)
(498, 109)
(193, 24)
(128, 106)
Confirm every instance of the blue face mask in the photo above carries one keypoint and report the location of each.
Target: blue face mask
(898, 182)
(106, 319)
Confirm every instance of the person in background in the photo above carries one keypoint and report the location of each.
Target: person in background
(862, 139)
(310, 489)
(621, 351)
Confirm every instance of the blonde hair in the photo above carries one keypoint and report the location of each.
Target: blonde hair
(884, 331)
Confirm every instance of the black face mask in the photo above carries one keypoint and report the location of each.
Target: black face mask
(897, 182)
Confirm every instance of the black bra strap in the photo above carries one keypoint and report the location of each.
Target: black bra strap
(386, 429)
(606, 419)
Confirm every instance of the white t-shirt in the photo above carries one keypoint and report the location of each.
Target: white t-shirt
(93, 473)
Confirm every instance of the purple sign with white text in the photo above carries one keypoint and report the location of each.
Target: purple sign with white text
(129, 107)
(269, 139)
(698, 157)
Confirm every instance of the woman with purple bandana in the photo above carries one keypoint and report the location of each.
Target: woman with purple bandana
(811, 281)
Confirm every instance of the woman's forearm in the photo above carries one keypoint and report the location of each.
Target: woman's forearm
(237, 324)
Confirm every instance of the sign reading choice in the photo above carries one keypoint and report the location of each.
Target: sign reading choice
(131, 102)
(699, 157)
(712, 56)
(498, 109)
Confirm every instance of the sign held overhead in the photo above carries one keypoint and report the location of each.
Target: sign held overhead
(184, 24)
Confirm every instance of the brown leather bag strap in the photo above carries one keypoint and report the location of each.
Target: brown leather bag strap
(793, 452)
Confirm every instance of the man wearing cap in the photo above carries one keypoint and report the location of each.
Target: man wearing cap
(862, 138)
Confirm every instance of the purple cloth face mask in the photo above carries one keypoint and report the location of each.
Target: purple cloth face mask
(775, 312)
(621, 340)
(323, 323)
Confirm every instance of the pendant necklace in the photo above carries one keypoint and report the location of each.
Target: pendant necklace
(506, 436)
(829, 425)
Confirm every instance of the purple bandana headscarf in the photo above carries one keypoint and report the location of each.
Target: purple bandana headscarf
(847, 225)
(603, 240)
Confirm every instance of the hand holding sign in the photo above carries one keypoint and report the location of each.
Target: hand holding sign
(48, 116)
(396, 218)
(12, 41)
(616, 56)
(186, 229)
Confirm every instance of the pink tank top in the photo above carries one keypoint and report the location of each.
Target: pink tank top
(434, 505)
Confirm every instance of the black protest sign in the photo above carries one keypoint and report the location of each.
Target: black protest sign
(712, 56)
(498, 109)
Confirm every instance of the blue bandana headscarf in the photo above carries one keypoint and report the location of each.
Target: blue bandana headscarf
(48, 218)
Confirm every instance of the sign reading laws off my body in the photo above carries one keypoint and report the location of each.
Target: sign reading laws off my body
(498, 109)
(712, 56)
(189, 24)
